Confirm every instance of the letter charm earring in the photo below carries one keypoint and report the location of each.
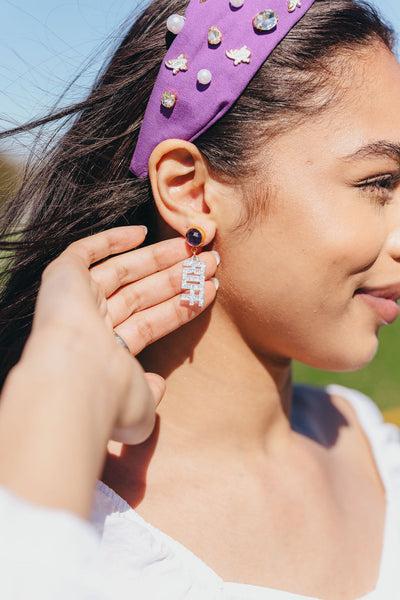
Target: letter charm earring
(194, 269)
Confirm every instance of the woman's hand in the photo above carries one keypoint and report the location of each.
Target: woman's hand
(74, 384)
(100, 284)
(142, 287)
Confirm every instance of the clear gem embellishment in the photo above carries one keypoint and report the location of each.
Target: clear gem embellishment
(214, 36)
(193, 279)
(242, 55)
(265, 20)
(177, 64)
(293, 4)
(168, 99)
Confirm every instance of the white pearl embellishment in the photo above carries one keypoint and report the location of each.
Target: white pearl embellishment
(175, 23)
(204, 76)
(237, 3)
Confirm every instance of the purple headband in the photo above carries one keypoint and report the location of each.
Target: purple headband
(222, 45)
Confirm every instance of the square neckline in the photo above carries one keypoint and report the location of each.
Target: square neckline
(258, 592)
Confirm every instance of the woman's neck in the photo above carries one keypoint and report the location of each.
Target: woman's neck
(218, 389)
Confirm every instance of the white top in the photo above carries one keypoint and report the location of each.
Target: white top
(50, 554)
(157, 566)
(46, 554)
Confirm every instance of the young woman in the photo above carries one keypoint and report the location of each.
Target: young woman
(247, 488)
(41, 534)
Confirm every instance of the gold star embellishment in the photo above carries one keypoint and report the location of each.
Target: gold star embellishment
(177, 64)
(242, 55)
(293, 4)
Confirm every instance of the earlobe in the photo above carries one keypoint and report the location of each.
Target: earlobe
(180, 179)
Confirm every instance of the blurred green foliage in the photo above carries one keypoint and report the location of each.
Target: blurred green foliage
(380, 380)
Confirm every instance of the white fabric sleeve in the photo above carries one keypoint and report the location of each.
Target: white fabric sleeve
(47, 553)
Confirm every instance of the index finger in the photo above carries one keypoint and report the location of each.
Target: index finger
(129, 267)
(107, 243)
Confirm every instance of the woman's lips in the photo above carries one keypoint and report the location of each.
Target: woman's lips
(386, 308)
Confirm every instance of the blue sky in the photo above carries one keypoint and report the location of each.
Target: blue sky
(45, 43)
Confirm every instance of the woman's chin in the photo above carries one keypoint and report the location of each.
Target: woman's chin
(352, 358)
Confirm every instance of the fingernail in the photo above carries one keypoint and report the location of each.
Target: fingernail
(145, 229)
(217, 256)
(215, 282)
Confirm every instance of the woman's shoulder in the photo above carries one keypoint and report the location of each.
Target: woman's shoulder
(361, 406)
(363, 411)
(345, 404)
(335, 409)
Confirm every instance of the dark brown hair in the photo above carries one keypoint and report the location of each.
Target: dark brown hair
(82, 184)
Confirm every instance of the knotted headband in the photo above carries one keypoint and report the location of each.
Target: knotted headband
(210, 62)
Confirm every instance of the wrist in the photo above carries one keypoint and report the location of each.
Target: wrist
(75, 366)
(61, 443)
(58, 402)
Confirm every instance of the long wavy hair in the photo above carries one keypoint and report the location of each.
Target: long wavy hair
(82, 184)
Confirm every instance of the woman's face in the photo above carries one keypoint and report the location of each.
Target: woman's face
(319, 274)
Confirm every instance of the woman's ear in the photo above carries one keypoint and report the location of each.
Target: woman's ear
(181, 187)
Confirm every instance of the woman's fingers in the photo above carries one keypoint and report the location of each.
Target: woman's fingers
(107, 243)
(152, 290)
(121, 270)
(147, 326)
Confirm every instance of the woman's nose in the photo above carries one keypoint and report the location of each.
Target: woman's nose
(393, 244)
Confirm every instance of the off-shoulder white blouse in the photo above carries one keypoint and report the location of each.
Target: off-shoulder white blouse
(53, 555)
(157, 567)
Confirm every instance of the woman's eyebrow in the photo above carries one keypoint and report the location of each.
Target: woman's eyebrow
(380, 149)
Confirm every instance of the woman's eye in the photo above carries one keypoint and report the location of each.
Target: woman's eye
(381, 187)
